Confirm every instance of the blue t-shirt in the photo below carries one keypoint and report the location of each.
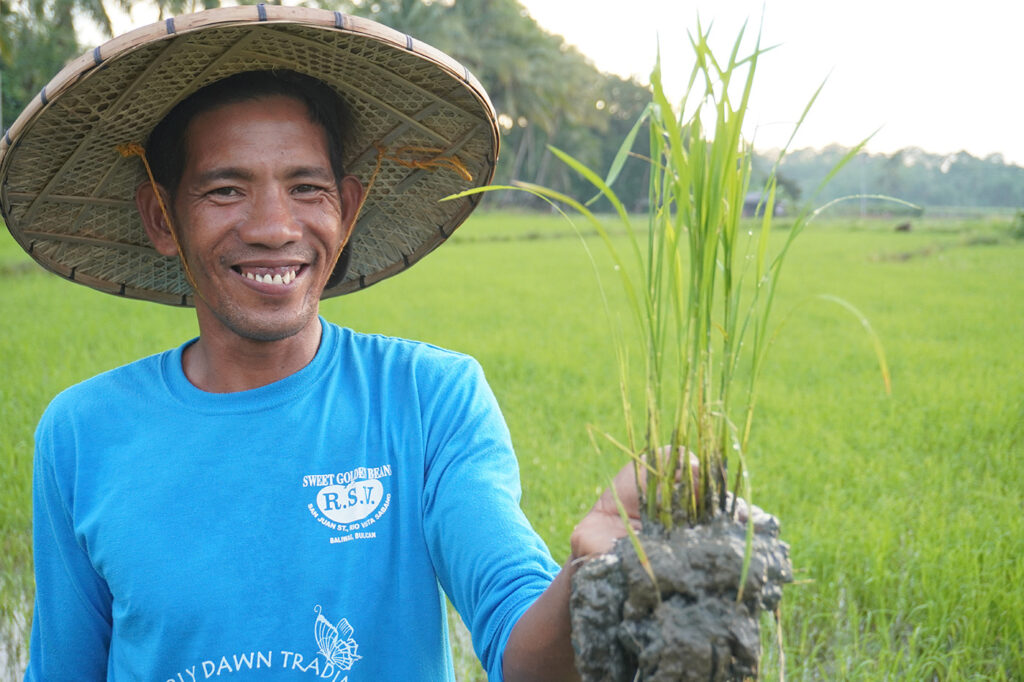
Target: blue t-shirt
(298, 531)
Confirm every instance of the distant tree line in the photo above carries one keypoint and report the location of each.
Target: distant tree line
(545, 92)
(910, 174)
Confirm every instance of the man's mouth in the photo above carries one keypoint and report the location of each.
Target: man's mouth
(276, 275)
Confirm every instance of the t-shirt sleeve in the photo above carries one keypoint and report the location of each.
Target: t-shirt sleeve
(71, 624)
(489, 560)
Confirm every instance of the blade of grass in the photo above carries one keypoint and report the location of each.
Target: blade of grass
(876, 342)
(634, 540)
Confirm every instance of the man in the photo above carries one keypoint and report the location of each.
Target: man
(280, 497)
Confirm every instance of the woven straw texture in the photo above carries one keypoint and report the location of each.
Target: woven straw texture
(68, 196)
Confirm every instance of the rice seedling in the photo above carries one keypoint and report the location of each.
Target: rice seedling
(700, 292)
(699, 284)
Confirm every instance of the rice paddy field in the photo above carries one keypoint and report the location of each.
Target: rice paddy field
(905, 513)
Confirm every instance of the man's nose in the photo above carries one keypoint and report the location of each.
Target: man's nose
(272, 222)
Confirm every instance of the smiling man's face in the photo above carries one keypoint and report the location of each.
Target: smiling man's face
(261, 217)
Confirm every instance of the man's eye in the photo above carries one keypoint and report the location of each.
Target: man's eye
(224, 192)
(307, 189)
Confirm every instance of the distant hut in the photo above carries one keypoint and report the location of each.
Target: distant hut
(753, 209)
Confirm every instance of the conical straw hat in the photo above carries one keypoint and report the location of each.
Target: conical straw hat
(424, 129)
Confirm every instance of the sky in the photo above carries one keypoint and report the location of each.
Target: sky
(942, 75)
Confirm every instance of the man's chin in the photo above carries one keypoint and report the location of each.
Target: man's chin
(267, 328)
(270, 332)
(269, 335)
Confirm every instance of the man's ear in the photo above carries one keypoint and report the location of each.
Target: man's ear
(351, 199)
(157, 229)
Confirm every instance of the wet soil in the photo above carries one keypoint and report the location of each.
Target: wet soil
(689, 627)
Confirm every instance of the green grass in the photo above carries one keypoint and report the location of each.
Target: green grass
(905, 514)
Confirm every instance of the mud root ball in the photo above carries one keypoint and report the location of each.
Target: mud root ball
(689, 625)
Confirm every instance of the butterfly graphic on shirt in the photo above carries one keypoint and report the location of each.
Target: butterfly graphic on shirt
(335, 641)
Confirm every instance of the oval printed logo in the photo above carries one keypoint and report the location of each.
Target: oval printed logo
(352, 502)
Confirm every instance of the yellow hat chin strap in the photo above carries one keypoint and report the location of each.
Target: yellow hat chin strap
(135, 149)
(420, 158)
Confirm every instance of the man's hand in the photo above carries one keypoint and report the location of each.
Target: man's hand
(597, 532)
(602, 526)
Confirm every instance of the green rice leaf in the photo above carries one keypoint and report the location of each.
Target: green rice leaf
(876, 342)
(625, 150)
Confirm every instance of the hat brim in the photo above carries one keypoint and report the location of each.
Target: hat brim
(423, 125)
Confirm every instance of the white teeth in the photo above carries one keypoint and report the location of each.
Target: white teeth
(287, 278)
